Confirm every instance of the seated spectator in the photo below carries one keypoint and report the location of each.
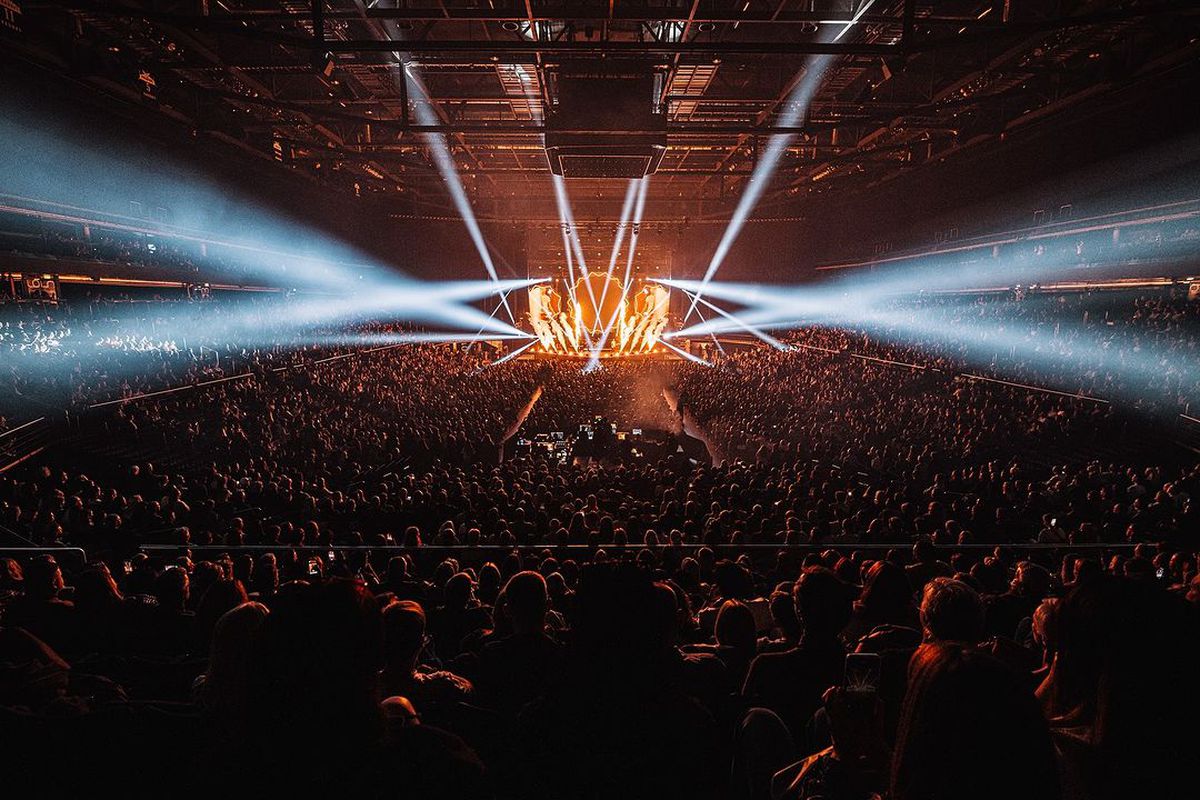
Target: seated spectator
(886, 599)
(104, 620)
(401, 583)
(1003, 612)
(854, 766)
(315, 701)
(970, 727)
(926, 566)
(736, 641)
(170, 626)
(222, 692)
(459, 615)
(615, 725)
(403, 675)
(792, 682)
(39, 610)
(951, 611)
(1044, 634)
(519, 667)
(1124, 647)
(220, 597)
(785, 625)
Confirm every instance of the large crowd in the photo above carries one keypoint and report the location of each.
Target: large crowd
(1139, 347)
(135, 250)
(893, 583)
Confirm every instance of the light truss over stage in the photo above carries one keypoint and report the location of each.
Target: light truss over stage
(318, 88)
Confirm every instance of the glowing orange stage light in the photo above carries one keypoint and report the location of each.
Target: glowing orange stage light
(607, 291)
(635, 318)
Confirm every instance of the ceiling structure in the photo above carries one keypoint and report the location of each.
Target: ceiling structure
(318, 86)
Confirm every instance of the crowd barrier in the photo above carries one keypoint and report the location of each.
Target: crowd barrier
(69, 557)
(841, 547)
(22, 443)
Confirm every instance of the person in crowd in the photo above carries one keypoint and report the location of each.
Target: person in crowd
(970, 727)
(403, 675)
(171, 628)
(39, 609)
(459, 614)
(315, 721)
(886, 599)
(616, 723)
(951, 611)
(519, 667)
(223, 690)
(925, 566)
(221, 596)
(791, 682)
(1004, 612)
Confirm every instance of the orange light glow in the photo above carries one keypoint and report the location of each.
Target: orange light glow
(626, 322)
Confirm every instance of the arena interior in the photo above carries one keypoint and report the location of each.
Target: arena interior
(589, 399)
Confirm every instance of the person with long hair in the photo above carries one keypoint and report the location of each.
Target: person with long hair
(886, 599)
(970, 728)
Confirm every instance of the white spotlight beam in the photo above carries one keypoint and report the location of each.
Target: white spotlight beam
(639, 206)
(854, 20)
(562, 228)
(409, 301)
(568, 219)
(379, 339)
(403, 304)
(631, 194)
(445, 165)
(686, 354)
(747, 294)
(716, 341)
(460, 291)
(513, 354)
(795, 108)
(479, 333)
(771, 340)
(716, 326)
(572, 250)
(769, 305)
(574, 298)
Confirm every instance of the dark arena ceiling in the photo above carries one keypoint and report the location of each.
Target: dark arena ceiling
(318, 87)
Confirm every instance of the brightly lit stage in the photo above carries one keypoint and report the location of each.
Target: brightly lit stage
(597, 316)
(659, 353)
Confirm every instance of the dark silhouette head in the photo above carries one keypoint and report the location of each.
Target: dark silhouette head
(822, 603)
(970, 727)
(315, 673)
(887, 596)
(735, 627)
(403, 634)
(951, 611)
(525, 602)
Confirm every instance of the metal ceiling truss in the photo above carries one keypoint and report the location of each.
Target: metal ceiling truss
(316, 84)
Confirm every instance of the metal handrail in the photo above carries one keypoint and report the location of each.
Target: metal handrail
(21, 427)
(759, 546)
(77, 551)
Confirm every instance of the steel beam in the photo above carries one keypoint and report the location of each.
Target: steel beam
(520, 47)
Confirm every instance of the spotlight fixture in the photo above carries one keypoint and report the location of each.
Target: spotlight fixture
(324, 64)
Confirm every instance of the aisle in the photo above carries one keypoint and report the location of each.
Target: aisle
(692, 428)
(522, 415)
